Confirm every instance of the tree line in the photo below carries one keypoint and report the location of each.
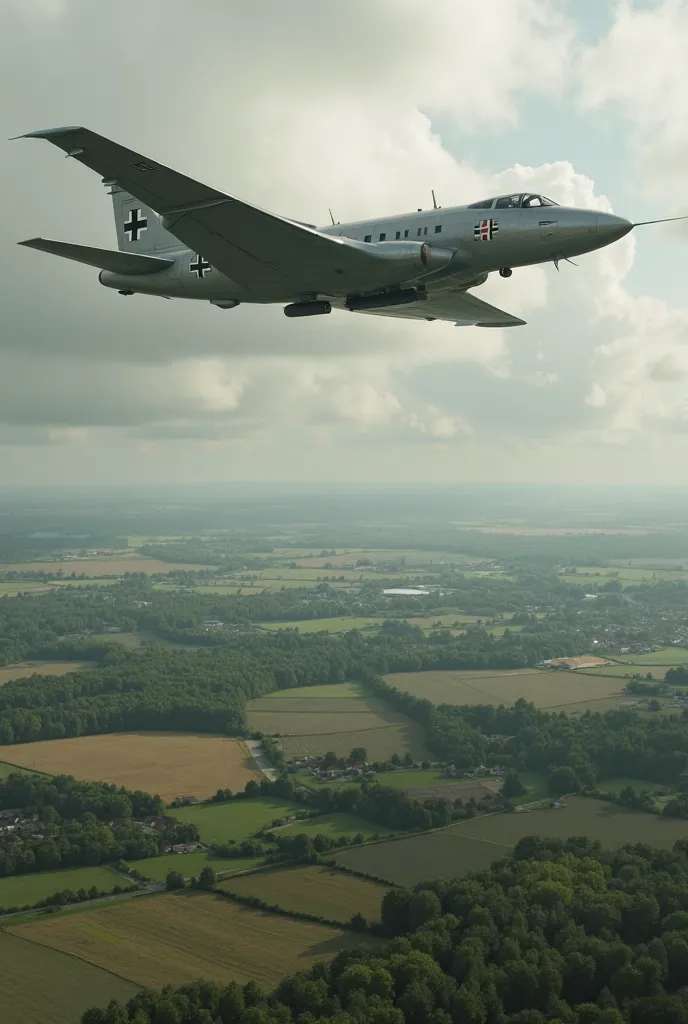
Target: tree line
(560, 931)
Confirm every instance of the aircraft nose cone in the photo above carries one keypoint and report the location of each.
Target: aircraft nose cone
(610, 227)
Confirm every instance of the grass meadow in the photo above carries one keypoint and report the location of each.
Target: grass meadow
(321, 891)
(173, 939)
(21, 890)
(39, 984)
(190, 865)
(473, 845)
(238, 819)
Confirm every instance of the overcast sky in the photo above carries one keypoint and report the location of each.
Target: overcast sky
(362, 106)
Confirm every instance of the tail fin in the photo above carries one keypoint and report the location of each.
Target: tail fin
(138, 227)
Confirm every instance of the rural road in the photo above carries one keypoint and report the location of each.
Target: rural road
(256, 749)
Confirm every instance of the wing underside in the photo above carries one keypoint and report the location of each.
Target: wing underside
(461, 308)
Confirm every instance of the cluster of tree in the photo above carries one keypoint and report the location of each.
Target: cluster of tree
(74, 843)
(66, 823)
(594, 746)
(71, 798)
(677, 676)
(558, 932)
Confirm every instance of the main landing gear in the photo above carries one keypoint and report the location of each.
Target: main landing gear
(505, 272)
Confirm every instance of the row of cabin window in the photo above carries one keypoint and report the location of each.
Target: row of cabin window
(421, 231)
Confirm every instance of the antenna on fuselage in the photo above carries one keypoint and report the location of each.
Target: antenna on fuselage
(331, 217)
(434, 201)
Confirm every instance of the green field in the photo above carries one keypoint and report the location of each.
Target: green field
(320, 891)
(628, 576)
(344, 623)
(239, 819)
(21, 890)
(316, 719)
(669, 656)
(473, 845)
(548, 690)
(190, 865)
(9, 769)
(336, 625)
(38, 985)
(335, 825)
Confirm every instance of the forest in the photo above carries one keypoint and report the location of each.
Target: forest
(69, 823)
(560, 931)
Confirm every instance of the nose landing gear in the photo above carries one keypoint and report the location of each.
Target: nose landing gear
(505, 272)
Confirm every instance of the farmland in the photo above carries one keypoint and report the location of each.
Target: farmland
(218, 823)
(320, 891)
(551, 690)
(39, 668)
(421, 785)
(169, 764)
(313, 720)
(473, 845)
(334, 825)
(117, 565)
(190, 865)
(373, 622)
(68, 986)
(23, 890)
(174, 939)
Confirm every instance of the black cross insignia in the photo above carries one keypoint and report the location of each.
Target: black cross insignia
(200, 267)
(135, 225)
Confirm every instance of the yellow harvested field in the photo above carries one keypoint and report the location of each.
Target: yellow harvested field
(322, 892)
(39, 668)
(559, 690)
(174, 939)
(170, 764)
(101, 566)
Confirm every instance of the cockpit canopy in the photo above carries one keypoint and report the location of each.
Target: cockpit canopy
(513, 202)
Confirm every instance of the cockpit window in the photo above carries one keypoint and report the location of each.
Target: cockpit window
(508, 203)
(512, 202)
(537, 201)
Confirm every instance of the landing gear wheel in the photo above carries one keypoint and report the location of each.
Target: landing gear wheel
(505, 272)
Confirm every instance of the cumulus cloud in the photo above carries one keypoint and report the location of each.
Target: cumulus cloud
(339, 107)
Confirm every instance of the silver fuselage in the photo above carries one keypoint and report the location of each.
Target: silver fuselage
(523, 237)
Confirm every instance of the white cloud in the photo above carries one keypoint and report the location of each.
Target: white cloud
(337, 106)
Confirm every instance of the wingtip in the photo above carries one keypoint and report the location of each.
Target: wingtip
(45, 133)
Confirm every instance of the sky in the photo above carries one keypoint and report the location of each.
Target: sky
(364, 107)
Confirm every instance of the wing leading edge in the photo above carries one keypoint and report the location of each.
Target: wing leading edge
(461, 308)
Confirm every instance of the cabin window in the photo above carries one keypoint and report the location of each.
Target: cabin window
(398, 234)
(406, 233)
(484, 204)
(368, 238)
(419, 230)
(438, 229)
(383, 236)
(425, 231)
